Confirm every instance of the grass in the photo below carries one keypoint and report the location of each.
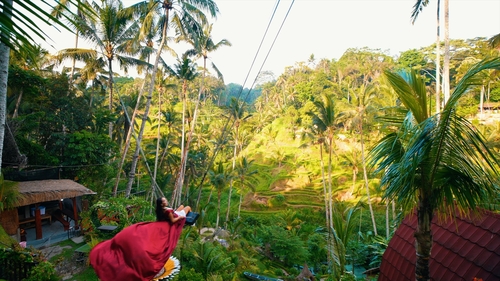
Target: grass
(68, 259)
(87, 275)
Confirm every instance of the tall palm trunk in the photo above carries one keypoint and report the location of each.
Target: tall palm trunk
(110, 99)
(327, 209)
(446, 62)
(231, 180)
(330, 203)
(135, 157)
(423, 239)
(176, 196)
(438, 61)
(158, 136)
(322, 164)
(128, 137)
(365, 175)
(180, 179)
(4, 75)
(218, 208)
(73, 63)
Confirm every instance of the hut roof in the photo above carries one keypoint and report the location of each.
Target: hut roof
(464, 248)
(48, 190)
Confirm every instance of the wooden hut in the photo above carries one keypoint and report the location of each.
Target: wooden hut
(34, 200)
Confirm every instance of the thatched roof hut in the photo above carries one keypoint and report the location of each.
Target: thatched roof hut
(48, 190)
(40, 191)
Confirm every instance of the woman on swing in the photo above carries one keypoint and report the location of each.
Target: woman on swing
(140, 251)
(165, 213)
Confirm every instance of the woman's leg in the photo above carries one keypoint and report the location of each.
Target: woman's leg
(186, 209)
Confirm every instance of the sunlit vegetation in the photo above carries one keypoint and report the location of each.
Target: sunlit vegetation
(278, 173)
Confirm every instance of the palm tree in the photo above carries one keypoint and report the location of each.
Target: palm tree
(185, 71)
(61, 9)
(237, 114)
(186, 17)
(112, 31)
(324, 120)
(203, 45)
(244, 174)
(362, 98)
(343, 228)
(417, 8)
(219, 178)
(434, 162)
(148, 33)
(16, 34)
(4, 70)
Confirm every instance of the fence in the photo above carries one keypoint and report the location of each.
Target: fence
(13, 267)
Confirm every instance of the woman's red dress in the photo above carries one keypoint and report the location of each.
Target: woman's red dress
(138, 252)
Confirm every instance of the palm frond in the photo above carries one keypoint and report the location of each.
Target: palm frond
(417, 8)
(411, 91)
(494, 41)
(17, 25)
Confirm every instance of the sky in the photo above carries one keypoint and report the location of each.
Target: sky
(325, 29)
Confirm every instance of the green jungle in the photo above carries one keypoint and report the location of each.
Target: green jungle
(303, 177)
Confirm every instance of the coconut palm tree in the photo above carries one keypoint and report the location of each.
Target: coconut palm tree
(244, 174)
(237, 114)
(24, 32)
(111, 31)
(219, 177)
(203, 45)
(63, 8)
(434, 162)
(184, 71)
(324, 120)
(362, 98)
(186, 17)
(417, 8)
(343, 229)
(5, 46)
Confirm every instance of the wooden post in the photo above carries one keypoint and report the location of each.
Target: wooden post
(75, 213)
(38, 223)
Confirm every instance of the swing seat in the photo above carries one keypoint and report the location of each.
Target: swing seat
(191, 218)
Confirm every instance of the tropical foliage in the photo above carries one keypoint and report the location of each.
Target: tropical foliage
(292, 152)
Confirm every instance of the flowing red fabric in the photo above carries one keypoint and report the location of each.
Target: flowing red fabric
(138, 252)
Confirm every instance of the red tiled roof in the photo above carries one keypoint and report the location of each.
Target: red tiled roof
(463, 248)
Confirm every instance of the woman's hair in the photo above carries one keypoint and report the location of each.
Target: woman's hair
(160, 216)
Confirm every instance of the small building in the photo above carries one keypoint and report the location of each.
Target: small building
(464, 248)
(42, 200)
